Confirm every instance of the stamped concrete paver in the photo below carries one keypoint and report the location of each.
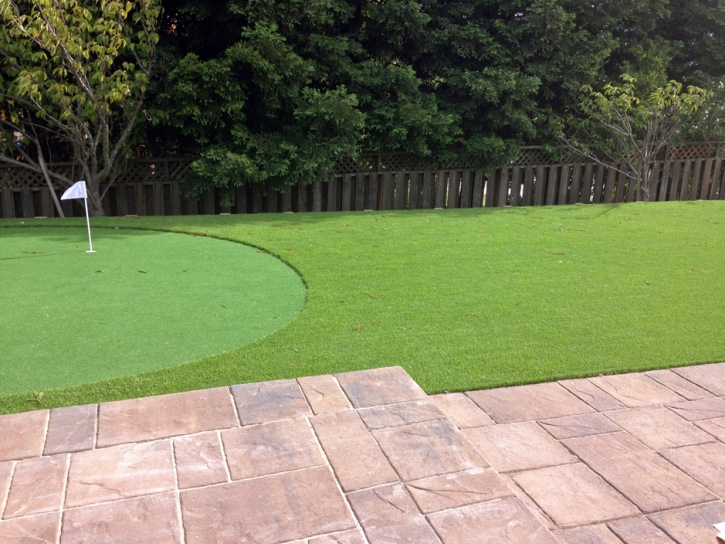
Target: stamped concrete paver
(639, 530)
(367, 458)
(28, 435)
(71, 429)
(528, 402)
(693, 525)
(461, 410)
(637, 472)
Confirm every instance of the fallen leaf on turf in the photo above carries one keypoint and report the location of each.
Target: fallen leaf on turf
(290, 249)
(584, 278)
(99, 270)
(647, 282)
(371, 296)
(342, 301)
(474, 315)
(358, 329)
(142, 271)
(223, 306)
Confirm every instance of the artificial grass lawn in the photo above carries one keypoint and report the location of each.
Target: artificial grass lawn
(144, 301)
(468, 299)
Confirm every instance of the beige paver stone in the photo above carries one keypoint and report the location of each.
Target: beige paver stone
(388, 515)
(151, 418)
(681, 386)
(379, 386)
(637, 472)
(153, 519)
(705, 463)
(581, 425)
(593, 534)
(695, 410)
(459, 489)
(716, 427)
(518, 446)
(270, 509)
(28, 435)
(270, 401)
(709, 377)
(324, 394)
(592, 395)
(405, 413)
(574, 495)
(37, 486)
(692, 525)
(461, 410)
(347, 537)
(493, 522)
(534, 508)
(270, 448)
(659, 428)
(120, 472)
(639, 530)
(41, 529)
(6, 474)
(356, 458)
(528, 402)
(635, 390)
(199, 460)
(428, 449)
(71, 429)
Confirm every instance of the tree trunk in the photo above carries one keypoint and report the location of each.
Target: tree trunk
(95, 208)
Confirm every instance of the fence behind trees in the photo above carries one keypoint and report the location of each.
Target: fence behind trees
(387, 182)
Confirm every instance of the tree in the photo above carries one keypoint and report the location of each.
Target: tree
(73, 78)
(620, 127)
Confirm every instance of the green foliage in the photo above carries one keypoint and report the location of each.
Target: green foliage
(74, 74)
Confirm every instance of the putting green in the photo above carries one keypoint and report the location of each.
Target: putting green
(144, 301)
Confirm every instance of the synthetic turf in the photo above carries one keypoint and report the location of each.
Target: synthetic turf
(467, 299)
(144, 301)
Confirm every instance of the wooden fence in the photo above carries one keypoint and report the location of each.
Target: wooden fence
(156, 187)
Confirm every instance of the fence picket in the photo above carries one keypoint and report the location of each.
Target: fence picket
(440, 202)
(575, 183)
(695, 186)
(707, 173)
(598, 184)
(528, 184)
(540, 184)
(401, 191)
(515, 186)
(716, 180)
(466, 189)
(675, 184)
(685, 180)
(563, 184)
(664, 182)
(503, 187)
(428, 180)
(609, 185)
(587, 183)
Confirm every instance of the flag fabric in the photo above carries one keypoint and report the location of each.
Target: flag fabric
(77, 190)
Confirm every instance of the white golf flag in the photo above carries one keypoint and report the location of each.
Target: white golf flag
(77, 190)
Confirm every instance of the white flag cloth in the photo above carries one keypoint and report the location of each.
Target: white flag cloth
(77, 190)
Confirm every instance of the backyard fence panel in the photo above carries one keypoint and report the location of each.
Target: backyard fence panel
(676, 177)
(360, 181)
(563, 184)
(503, 187)
(346, 192)
(209, 202)
(685, 180)
(528, 185)
(515, 186)
(374, 191)
(716, 181)
(609, 185)
(621, 183)
(540, 184)
(332, 194)
(47, 203)
(551, 180)
(664, 183)
(8, 208)
(477, 191)
(706, 179)
(598, 184)
(587, 183)
(465, 198)
(440, 201)
(575, 183)
(287, 200)
(490, 184)
(454, 183)
(695, 186)
(26, 199)
(428, 186)
(401, 191)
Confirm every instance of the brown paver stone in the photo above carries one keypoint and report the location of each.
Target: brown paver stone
(574, 495)
(493, 522)
(518, 446)
(388, 515)
(459, 489)
(639, 530)
(199, 460)
(163, 416)
(270, 448)
(352, 451)
(153, 519)
(405, 413)
(379, 386)
(678, 384)
(528, 402)
(716, 427)
(461, 410)
(659, 428)
(705, 463)
(324, 394)
(637, 472)
(595, 534)
(348, 537)
(635, 390)
(120, 472)
(42, 529)
(6, 474)
(28, 435)
(582, 425)
(71, 429)
(270, 509)
(270, 401)
(692, 525)
(695, 410)
(37, 486)
(710, 377)
(428, 449)
(592, 395)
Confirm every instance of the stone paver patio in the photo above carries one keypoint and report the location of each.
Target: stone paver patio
(368, 458)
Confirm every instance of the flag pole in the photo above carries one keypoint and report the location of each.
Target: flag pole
(88, 224)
